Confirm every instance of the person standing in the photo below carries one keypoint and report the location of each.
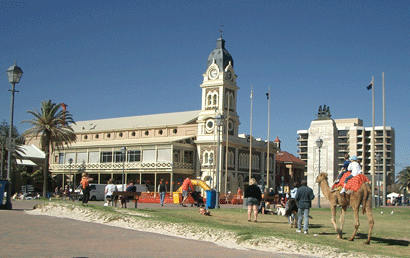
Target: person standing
(186, 188)
(239, 195)
(162, 190)
(254, 196)
(304, 197)
(85, 185)
(109, 192)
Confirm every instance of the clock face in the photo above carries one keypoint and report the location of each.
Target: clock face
(229, 75)
(213, 73)
(209, 125)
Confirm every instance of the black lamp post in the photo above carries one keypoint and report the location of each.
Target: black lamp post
(123, 151)
(70, 161)
(3, 137)
(319, 144)
(283, 186)
(378, 157)
(218, 122)
(14, 74)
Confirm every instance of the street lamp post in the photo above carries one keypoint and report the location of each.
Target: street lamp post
(70, 161)
(14, 74)
(124, 151)
(3, 137)
(319, 143)
(283, 186)
(218, 122)
(378, 157)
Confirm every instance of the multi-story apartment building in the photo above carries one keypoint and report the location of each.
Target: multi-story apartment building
(349, 137)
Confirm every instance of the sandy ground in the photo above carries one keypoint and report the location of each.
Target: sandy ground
(133, 219)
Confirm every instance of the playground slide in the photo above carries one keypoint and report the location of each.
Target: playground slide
(197, 183)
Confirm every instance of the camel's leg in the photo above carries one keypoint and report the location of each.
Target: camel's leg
(333, 219)
(357, 223)
(342, 221)
(369, 214)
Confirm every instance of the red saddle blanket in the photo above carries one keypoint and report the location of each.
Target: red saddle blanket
(353, 184)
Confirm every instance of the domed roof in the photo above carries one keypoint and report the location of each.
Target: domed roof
(221, 55)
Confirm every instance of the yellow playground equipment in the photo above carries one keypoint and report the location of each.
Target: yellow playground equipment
(202, 184)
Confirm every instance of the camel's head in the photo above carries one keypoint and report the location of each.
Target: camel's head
(321, 177)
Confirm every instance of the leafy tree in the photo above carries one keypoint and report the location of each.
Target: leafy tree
(52, 126)
(403, 179)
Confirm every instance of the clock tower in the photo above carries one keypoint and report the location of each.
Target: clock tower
(219, 93)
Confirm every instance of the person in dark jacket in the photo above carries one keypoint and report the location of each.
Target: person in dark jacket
(254, 196)
(162, 190)
(304, 197)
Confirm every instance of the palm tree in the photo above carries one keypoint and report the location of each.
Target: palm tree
(52, 126)
(403, 179)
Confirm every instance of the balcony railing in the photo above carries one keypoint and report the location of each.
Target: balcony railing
(119, 166)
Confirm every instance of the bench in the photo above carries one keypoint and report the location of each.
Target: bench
(135, 195)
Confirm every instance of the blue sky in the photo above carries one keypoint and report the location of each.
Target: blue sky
(110, 59)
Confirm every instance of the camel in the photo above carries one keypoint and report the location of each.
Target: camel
(360, 197)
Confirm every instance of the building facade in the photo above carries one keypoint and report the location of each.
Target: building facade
(345, 136)
(173, 146)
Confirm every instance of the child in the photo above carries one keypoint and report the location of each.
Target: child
(344, 167)
(354, 168)
(204, 211)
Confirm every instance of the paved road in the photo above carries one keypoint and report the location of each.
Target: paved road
(24, 235)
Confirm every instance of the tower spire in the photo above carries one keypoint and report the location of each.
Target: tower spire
(220, 30)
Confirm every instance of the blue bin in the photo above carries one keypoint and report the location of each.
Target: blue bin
(3, 187)
(210, 199)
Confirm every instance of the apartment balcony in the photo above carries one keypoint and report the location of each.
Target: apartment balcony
(301, 139)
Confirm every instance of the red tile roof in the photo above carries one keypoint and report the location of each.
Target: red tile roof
(286, 157)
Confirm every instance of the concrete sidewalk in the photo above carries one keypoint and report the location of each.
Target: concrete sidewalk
(25, 235)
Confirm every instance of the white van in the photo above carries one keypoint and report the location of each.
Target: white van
(97, 192)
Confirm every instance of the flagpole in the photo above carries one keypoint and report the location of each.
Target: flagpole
(227, 141)
(213, 156)
(384, 147)
(372, 147)
(250, 141)
(268, 154)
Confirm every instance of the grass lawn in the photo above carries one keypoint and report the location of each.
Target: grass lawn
(390, 235)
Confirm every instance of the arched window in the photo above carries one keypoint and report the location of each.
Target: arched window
(215, 99)
(231, 159)
(209, 158)
(231, 102)
(209, 103)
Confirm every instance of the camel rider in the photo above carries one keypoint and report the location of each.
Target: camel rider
(344, 168)
(354, 168)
